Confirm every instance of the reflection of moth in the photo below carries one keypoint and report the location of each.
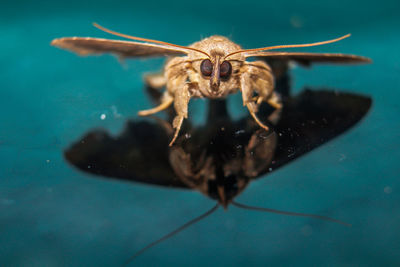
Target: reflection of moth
(213, 67)
(222, 157)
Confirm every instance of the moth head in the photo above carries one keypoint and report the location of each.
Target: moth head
(216, 71)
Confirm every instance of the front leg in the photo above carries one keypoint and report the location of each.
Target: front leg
(257, 78)
(247, 96)
(182, 97)
(176, 72)
(166, 101)
(155, 81)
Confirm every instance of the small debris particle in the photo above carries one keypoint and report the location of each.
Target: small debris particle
(296, 21)
(239, 132)
(387, 190)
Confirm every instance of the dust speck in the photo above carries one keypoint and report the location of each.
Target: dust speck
(387, 190)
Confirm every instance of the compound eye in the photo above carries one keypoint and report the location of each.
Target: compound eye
(206, 67)
(225, 70)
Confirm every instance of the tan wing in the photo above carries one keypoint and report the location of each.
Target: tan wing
(308, 58)
(87, 45)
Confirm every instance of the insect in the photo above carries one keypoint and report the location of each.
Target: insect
(213, 68)
(222, 157)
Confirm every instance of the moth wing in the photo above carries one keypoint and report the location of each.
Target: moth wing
(139, 154)
(86, 45)
(314, 118)
(308, 58)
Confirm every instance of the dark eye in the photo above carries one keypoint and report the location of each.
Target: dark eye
(206, 67)
(225, 70)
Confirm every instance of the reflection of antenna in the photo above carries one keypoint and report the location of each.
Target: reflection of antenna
(183, 227)
(242, 206)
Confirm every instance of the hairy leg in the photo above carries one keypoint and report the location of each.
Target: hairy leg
(182, 97)
(247, 89)
(176, 73)
(166, 101)
(155, 80)
(260, 80)
(178, 91)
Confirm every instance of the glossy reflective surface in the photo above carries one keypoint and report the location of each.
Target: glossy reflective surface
(52, 214)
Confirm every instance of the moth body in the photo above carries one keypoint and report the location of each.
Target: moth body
(216, 76)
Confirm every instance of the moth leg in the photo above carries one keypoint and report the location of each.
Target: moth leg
(181, 86)
(264, 85)
(155, 80)
(166, 101)
(176, 73)
(246, 86)
(182, 97)
(276, 102)
(177, 124)
(253, 110)
(262, 82)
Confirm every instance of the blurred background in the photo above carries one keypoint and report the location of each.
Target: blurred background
(54, 215)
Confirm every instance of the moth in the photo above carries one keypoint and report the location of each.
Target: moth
(213, 68)
(222, 157)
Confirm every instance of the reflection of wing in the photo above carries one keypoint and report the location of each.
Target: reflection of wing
(140, 154)
(307, 58)
(280, 70)
(279, 63)
(85, 46)
(312, 119)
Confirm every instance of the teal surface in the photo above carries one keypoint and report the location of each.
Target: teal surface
(54, 215)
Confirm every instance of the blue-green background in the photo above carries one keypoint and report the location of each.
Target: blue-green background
(54, 215)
